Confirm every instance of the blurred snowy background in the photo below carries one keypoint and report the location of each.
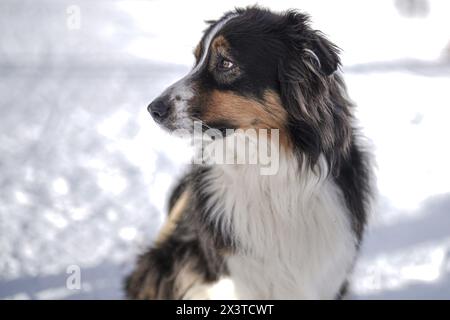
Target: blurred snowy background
(84, 171)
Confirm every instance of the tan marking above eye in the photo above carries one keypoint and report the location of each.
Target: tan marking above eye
(220, 47)
(220, 43)
(197, 51)
(220, 53)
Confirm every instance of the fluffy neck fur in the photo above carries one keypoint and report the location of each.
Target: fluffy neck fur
(291, 231)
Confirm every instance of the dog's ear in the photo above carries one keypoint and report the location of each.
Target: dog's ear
(324, 51)
(304, 68)
(305, 79)
(310, 44)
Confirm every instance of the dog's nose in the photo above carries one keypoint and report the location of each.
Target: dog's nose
(159, 110)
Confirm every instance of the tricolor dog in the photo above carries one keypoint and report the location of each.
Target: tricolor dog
(290, 234)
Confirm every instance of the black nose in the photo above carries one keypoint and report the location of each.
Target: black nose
(159, 110)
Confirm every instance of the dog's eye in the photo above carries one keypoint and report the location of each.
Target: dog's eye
(225, 65)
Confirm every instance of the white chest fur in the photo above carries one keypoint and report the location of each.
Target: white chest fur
(292, 229)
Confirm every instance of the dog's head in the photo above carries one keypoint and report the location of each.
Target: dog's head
(258, 69)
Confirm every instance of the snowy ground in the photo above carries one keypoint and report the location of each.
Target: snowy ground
(84, 172)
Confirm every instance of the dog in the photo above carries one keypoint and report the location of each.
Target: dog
(294, 234)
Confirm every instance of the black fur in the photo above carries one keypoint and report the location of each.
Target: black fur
(283, 54)
(192, 244)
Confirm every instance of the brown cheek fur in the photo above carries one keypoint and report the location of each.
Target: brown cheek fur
(219, 45)
(247, 113)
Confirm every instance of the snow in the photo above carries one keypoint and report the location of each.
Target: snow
(85, 172)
